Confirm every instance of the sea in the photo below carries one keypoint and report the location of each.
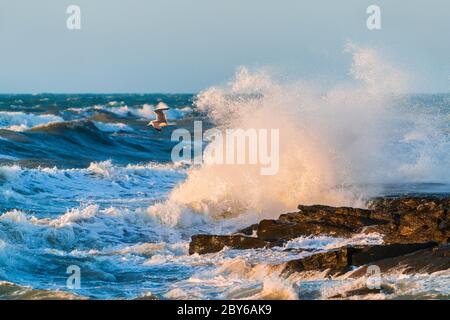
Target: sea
(93, 207)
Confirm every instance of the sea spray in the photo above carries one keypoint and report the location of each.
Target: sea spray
(336, 147)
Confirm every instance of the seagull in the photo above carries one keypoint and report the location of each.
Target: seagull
(160, 120)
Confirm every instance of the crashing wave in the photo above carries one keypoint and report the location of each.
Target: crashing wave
(20, 121)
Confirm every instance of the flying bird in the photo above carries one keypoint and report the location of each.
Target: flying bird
(161, 120)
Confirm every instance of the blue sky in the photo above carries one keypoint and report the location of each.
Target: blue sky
(189, 45)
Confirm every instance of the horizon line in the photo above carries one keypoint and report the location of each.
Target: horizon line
(99, 93)
(153, 93)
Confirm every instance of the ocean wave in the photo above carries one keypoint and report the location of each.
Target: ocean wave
(6, 157)
(102, 182)
(62, 126)
(132, 239)
(144, 112)
(87, 227)
(112, 127)
(20, 121)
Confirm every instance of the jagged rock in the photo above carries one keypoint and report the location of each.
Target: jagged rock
(276, 230)
(414, 219)
(333, 259)
(408, 204)
(404, 220)
(363, 291)
(343, 258)
(368, 254)
(249, 231)
(352, 218)
(400, 220)
(203, 243)
(318, 219)
(422, 261)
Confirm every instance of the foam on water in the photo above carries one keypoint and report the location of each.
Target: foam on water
(144, 112)
(102, 183)
(20, 121)
(112, 127)
(336, 147)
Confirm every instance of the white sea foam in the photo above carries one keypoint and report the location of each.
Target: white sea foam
(327, 242)
(335, 146)
(393, 285)
(101, 182)
(20, 121)
(144, 112)
(6, 157)
(112, 127)
(80, 228)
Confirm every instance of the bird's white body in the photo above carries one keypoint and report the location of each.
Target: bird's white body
(161, 120)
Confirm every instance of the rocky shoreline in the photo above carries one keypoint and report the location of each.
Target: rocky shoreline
(415, 236)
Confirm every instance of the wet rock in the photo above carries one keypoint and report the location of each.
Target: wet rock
(334, 259)
(344, 258)
(400, 220)
(414, 219)
(405, 204)
(276, 230)
(363, 291)
(147, 296)
(203, 243)
(320, 220)
(352, 218)
(368, 254)
(249, 231)
(422, 261)
(12, 291)
(298, 250)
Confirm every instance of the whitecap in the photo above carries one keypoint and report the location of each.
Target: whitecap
(20, 121)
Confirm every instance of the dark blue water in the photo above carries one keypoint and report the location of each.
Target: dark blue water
(76, 141)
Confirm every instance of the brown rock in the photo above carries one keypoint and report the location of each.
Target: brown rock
(368, 254)
(333, 259)
(203, 243)
(363, 291)
(415, 219)
(423, 261)
(401, 220)
(276, 230)
(342, 259)
(318, 219)
(349, 217)
(249, 230)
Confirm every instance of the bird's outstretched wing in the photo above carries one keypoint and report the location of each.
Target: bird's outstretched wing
(155, 125)
(160, 117)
